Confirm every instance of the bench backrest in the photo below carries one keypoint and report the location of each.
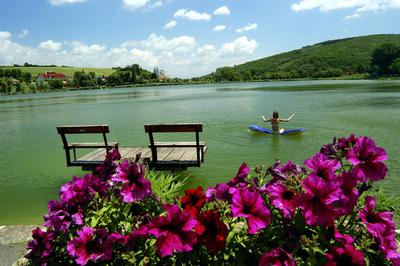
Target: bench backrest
(173, 128)
(81, 129)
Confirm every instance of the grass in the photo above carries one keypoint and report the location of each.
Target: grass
(68, 71)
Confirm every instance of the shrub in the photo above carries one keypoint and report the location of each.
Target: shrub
(286, 214)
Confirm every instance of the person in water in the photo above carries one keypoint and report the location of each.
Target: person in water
(275, 120)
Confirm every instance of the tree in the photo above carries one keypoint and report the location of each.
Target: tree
(56, 84)
(384, 55)
(395, 66)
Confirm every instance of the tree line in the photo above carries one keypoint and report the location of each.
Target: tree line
(384, 61)
(14, 80)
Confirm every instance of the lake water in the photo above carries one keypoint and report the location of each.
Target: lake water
(32, 160)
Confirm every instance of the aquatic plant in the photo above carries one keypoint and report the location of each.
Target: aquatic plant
(322, 213)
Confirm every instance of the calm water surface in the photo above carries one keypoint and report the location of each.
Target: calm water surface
(32, 160)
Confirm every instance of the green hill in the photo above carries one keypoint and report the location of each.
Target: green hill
(332, 58)
(68, 71)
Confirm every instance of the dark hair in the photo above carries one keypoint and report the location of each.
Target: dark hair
(275, 114)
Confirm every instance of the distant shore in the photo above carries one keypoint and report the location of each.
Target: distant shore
(354, 77)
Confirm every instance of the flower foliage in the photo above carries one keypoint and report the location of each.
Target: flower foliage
(321, 213)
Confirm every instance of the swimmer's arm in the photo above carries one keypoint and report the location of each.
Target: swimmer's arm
(265, 120)
(286, 120)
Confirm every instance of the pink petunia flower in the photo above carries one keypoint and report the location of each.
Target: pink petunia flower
(135, 186)
(346, 255)
(81, 190)
(317, 203)
(212, 231)
(367, 160)
(277, 257)
(41, 245)
(92, 245)
(107, 169)
(382, 227)
(61, 215)
(219, 192)
(377, 223)
(322, 166)
(347, 182)
(240, 177)
(173, 231)
(250, 205)
(283, 199)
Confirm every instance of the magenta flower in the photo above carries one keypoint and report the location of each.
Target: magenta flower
(173, 231)
(81, 190)
(91, 245)
(347, 182)
(107, 169)
(346, 256)
(212, 231)
(377, 223)
(40, 247)
(317, 203)
(367, 160)
(61, 216)
(131, 239)
(382, 227)
(283, 199)
(250, 205)
(135, 185)
(346, 143)
(290, 168)
(277, 257)
(219, 192)
(322, 166)
(240, 177)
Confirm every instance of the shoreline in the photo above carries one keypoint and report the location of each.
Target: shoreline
(13, 242)
(344, 78)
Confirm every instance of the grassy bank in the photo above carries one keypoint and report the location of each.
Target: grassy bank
(68, 71)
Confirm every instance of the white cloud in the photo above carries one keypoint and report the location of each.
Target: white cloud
(180, 56)
(5, 35)
(223, 10)
(62, 2)
(170, 24)
(50, 45)
(219, 28)
(134, 4)
(23, 33)
(191, 15)
(361, 6)
(156, 5)
(240, 46)
(248, 27)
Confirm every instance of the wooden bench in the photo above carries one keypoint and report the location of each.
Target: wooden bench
(85, 162)
(176, 154)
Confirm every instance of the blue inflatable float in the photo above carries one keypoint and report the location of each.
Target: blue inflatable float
(258, 128)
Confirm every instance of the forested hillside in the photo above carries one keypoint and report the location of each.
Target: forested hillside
(332, 58)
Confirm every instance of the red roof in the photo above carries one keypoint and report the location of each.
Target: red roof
(52, 75)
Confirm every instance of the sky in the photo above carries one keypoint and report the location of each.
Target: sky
(185, 38)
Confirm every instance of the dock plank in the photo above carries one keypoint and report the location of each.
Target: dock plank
(91, 155)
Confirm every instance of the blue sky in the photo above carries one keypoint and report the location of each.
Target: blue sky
(186, 38)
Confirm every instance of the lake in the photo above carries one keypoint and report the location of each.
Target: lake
(32, 160)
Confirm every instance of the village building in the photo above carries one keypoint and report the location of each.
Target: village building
(46, 76)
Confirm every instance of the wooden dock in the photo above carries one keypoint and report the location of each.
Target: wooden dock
(158, 155)
(167, 157)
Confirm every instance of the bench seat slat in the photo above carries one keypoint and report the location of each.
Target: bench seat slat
(182, 144)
